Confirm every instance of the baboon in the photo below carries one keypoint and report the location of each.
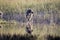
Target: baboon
(29, 16)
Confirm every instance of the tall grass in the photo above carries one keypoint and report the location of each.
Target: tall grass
(20, 6)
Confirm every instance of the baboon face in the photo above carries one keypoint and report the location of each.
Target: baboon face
(29, 12)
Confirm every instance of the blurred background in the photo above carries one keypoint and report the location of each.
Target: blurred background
(46, 20)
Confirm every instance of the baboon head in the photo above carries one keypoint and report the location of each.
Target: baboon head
(29, 11)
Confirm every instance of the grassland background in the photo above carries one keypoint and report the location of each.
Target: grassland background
(20, 6)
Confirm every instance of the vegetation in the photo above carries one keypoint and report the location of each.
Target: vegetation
(46, 17)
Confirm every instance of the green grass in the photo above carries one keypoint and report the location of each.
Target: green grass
(39, 31)
(20, 6)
